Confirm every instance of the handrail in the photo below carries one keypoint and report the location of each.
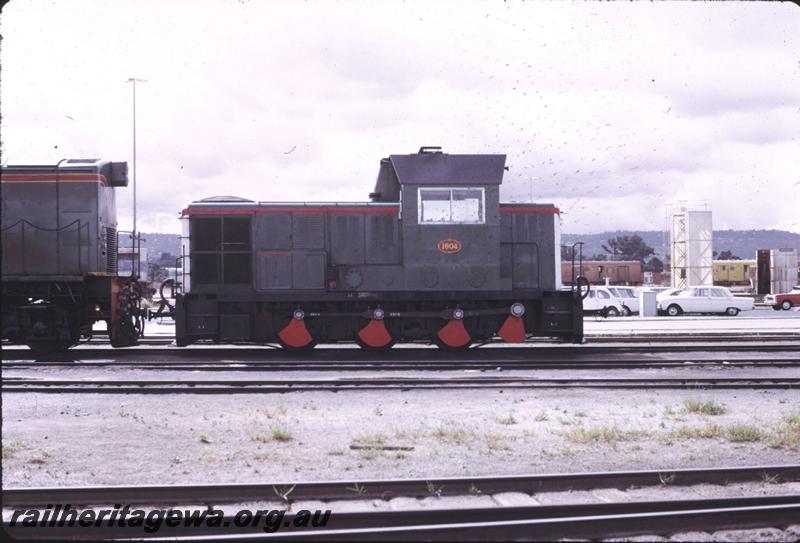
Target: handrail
(136, 251)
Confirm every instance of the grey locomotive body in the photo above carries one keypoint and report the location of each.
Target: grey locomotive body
(59, 252)
(434, 256)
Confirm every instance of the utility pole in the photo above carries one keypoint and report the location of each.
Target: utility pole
(134, 81)
(136, 245)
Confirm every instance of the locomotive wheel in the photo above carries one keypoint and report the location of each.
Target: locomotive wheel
(366, 347)
(445, 347)
(293, 349)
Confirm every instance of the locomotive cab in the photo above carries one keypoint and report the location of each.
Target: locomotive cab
(450, 210)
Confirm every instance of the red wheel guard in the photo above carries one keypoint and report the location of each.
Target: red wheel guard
(295, 334)
(453, 334)
(513, 330)
(375, 334)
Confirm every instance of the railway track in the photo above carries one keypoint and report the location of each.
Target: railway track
(531, 353)
(220, 386)
(595, 520)
(412, 365)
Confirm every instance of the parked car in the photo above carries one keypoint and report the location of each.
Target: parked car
(667, 292)
(703, 300)
(601, 301)
(784, 301)
(629, 298)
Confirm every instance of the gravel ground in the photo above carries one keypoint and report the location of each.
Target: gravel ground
(75, 439)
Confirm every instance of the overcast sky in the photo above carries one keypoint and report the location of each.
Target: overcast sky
(608, 110)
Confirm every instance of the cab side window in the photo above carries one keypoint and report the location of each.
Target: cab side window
(451, 206)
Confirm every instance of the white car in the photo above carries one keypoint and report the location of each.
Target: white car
(628, 297)
(667, 292)
(703, 300)
(600, 301)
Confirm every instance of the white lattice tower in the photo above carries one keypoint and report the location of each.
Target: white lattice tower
(691, 245)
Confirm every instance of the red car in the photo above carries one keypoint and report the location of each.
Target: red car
(784, 301)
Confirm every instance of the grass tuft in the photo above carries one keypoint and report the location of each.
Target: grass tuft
(509, 420)
(13, 447)
(454, 435)
(276, 433)
(703, 408)
(372, 439)
(603, 434)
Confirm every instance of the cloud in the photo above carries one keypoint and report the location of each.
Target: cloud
(607, 110)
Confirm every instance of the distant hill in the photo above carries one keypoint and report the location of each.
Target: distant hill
(160, 243)
(742, 243)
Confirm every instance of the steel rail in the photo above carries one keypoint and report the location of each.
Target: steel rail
(415, 365)
(389, 488)
(590, 339)
(195, 386)
(557, 521)
(355, 354)
(551, 529)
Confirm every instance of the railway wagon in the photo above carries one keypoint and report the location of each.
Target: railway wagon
(618, 272)
(433, 256)
(59, 254)
(734, 273)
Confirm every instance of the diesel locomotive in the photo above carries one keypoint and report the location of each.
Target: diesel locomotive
(59, 255)
(433, 256)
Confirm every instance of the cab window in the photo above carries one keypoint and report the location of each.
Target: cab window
(451, 206)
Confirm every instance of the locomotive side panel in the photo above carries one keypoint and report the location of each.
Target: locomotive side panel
(50, 226)
(449, 244)
(528, 245)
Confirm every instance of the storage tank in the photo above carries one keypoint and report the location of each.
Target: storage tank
(783, 270)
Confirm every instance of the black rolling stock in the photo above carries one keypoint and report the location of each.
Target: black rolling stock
(434, 256)
(59, 255)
